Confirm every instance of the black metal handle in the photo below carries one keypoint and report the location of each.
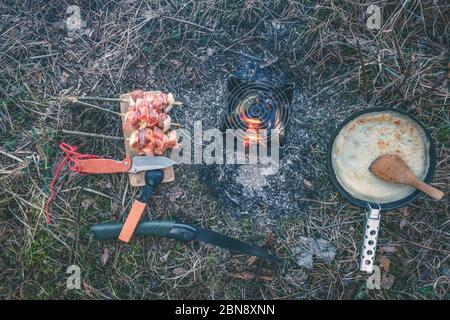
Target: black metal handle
(152, 179)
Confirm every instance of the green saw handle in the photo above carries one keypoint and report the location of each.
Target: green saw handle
(170, 229)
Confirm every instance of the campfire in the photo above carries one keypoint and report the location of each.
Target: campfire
(257, 111)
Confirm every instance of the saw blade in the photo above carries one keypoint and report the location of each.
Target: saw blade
(226, 242)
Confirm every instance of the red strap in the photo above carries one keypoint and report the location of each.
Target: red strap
(71, 156)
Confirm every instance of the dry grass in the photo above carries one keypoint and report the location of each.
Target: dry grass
(131, 44)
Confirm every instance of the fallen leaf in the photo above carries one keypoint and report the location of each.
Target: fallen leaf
(209, 52)
(325, 250)
(388, 248)
(116, 208)
(405, 211)
(105, 183)
(64, 77)
(276, 24)
(305, 259)
(387, 281)
(413, 234)
(87, 202)
(269, 239)
(87, 289)
(88, 32)
(175, 194)
(304, 253)
(403, 223)
(251, 261)
(40, 151)
(308, 247)
(179, 271)
(385, 263)
(151, 14)
(105, 256)
(178, 63)
(165, 256)
(307, 184)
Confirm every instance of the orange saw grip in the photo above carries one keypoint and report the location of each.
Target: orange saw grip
(102, 165)
(132, 221)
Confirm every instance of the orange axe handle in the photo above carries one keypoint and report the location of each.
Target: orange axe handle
(132, 221)
(152, 179)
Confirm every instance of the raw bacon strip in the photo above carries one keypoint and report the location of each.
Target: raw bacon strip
(161, 118)
(171, 140)
(160, 101)
(149, 119)
(166, 123)
(146, 109)
(158, 135)
(131, 119)
(152, 141)
(147, 116)
(137, 94)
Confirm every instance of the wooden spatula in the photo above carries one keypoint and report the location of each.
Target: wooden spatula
(392, 168)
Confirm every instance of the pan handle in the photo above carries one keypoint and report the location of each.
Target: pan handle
(369, 246)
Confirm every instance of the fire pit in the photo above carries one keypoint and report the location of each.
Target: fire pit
(256, 106)
(259, 191)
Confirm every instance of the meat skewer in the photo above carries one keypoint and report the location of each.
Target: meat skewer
(152, 142)
(149, 122)
(148, 109)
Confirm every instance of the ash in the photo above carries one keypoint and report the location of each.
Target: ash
(251, 179)
(248, 190)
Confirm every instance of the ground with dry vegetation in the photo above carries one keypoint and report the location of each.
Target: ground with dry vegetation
(326, 48)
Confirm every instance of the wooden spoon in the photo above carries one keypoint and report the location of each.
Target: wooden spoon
(392, 168)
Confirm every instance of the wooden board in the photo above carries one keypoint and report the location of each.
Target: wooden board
(138, 179)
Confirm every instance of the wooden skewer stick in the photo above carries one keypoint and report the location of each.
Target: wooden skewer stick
(75, 100)
(86, 98)
(101, 136)
(92, 135)
(89, 98)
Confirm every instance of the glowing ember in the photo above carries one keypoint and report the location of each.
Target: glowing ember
(252, 134)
